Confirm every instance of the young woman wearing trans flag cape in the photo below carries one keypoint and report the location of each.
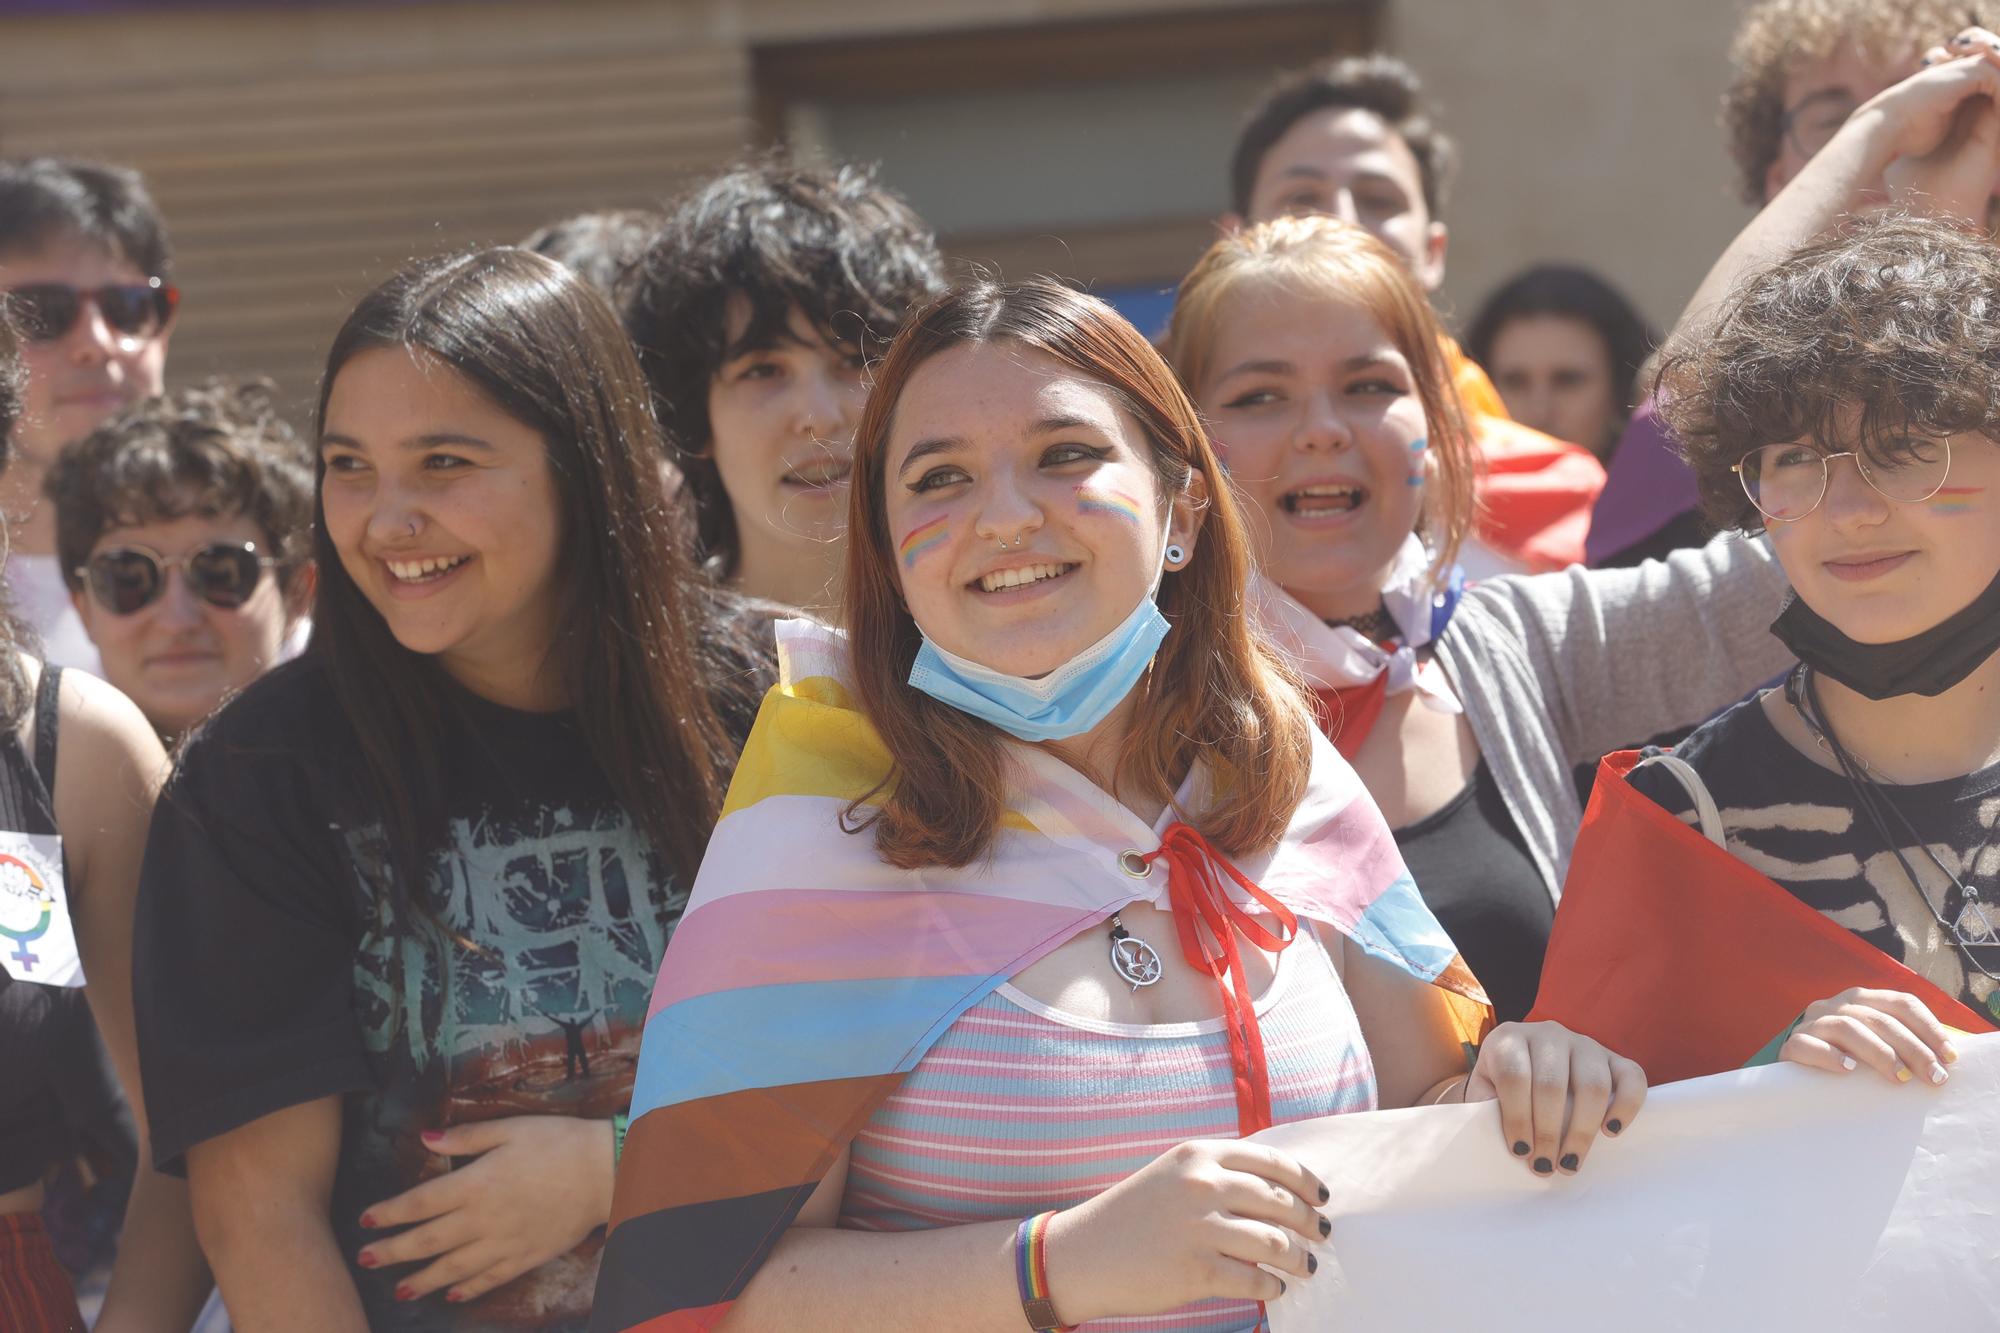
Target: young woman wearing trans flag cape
(1036, 890)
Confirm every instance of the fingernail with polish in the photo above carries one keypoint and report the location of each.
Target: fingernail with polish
(454, 1297)
(368, 1220)
(1614, 1127)
(431, 1135)
(1325, 1227)
(1543, 1166)
(1281, 1286)
(1312, 1263)
(365, 1259)
(406, 1292)
(1903, 1075)
(1324, 1194)
(1520, 1149)
(1847, 1062)
(1570, 1161)
(1937, 1073)
(1950, 1053)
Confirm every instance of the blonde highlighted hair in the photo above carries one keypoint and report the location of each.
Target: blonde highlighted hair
(1334, 261)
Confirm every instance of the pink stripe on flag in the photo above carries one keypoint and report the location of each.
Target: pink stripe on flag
(809, 935)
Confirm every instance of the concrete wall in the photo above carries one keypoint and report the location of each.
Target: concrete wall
(1590, 134)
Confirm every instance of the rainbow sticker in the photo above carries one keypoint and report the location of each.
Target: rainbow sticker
(1095, 500)
(921, 539)
(1955, 505)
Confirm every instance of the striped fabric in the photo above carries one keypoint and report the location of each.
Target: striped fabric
(1020, 1108)
(35, 1292)
(807, 978)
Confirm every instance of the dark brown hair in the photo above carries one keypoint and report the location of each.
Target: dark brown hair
(1884, 329)
(642, 663)
(1378, 83)
(1215, 692)
(217, 450)
(845, 252)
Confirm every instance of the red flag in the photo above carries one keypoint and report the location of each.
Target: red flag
(1677, 955)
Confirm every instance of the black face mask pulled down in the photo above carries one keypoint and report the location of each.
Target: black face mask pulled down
(1928, 663)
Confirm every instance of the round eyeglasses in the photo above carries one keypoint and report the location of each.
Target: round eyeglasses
(128, 579)
(1787, 481)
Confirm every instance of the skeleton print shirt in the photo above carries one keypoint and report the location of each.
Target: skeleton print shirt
(1795, 821)
(274, 969)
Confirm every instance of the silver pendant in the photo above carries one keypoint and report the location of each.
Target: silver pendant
(1133, 959)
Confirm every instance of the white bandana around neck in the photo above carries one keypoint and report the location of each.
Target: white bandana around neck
(1332, 657)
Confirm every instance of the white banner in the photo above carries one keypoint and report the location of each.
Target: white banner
(1774, 1198)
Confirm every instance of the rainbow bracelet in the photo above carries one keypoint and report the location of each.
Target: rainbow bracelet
(1031, 1271)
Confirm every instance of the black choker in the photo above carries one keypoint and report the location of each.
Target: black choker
(1376, 626)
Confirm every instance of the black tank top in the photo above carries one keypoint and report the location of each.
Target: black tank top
(36, 1022)
(1473, 869)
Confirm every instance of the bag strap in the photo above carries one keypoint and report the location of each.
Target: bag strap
(1706, 811)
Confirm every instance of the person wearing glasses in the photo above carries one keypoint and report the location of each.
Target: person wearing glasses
(1798, 71)
(1847, 402)
(184, 526)
(86, 274)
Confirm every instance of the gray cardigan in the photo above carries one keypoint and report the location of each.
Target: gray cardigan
(1556, 669)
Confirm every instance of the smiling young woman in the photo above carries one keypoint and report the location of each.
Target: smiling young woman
(402, 910)
(1315, 361)
(1014, 957)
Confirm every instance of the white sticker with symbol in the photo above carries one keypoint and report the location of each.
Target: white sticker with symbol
(37, 942)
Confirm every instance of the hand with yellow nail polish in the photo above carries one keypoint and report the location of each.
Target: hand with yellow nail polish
(1891, 1032)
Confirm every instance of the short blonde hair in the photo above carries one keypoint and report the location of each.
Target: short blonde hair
(1778, 37)
(1336, 261)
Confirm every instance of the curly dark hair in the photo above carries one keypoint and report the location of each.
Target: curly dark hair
(847, 253)
(13, 379)
(1778, 37)
(602, 247)
(218, 449)
(1886, 328)
(1378, 83)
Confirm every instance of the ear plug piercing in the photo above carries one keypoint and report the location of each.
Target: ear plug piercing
(1176, 556)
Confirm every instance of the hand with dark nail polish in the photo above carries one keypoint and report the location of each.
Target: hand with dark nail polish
(1613, 1127)
(1544, 1167)
(1521, 1148)
(1570, 1161)
(1325, 1227)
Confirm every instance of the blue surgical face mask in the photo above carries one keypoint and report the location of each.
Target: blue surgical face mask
(1068, 701)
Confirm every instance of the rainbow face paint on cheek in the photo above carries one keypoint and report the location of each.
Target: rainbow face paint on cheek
(1098, 500)
(1417, 447)
(921, 540)
(1953, 501)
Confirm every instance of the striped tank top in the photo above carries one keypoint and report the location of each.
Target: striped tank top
(1020, 1107)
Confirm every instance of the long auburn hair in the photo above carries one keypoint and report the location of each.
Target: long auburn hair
(1326, 258)
(1215, 692)
(544, 347)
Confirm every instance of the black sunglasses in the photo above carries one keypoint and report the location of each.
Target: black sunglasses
(126, 579)
(46, 311)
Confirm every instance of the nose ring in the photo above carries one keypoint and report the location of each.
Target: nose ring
(1020, 538)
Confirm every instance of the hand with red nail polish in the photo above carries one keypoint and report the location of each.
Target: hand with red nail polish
(534, 1188)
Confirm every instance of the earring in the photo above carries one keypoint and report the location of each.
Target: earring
(1176, 556)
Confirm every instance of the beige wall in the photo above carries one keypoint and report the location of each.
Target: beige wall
(1590, 135)
(301, 153)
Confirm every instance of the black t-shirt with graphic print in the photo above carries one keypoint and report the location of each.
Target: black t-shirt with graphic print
(271, 970)
(1797, 822)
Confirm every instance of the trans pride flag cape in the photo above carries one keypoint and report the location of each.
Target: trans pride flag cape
(808, 977)
(1680, 957)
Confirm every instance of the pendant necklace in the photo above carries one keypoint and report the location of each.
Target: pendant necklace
(1131, 957)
